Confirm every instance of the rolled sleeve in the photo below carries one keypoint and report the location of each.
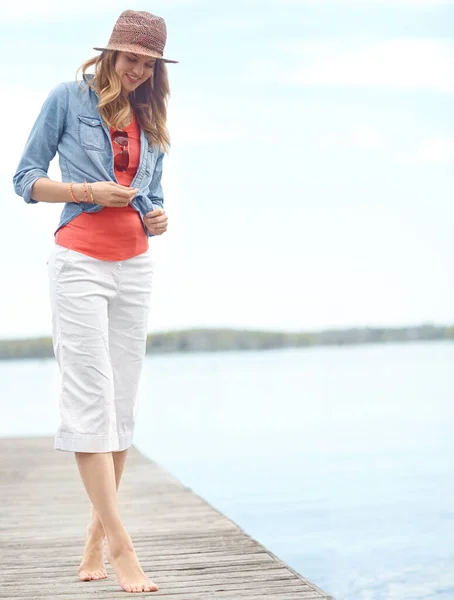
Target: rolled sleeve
(42, 143)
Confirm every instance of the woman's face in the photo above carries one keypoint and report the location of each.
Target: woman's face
(133, 70)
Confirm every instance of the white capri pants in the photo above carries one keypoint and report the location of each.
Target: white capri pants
(99, 331)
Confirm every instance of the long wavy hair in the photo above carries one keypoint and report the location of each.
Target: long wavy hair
(149, 100)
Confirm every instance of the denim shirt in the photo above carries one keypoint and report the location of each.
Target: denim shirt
(69, 123)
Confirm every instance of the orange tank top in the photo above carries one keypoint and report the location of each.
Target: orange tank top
(112, 233)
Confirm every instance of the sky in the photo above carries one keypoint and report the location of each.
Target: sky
(310, 182)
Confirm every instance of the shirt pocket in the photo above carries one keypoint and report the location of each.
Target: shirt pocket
(91, 133)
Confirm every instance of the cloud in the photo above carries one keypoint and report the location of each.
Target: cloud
(372, 3)
(362, 136)
(202, 125)
(401, 63)
(184, 130)
(436, 150)
(369, 137)
(56, 10)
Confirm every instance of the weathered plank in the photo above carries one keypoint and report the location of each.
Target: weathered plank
(189, 548)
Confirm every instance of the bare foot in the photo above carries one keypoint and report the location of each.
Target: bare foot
(131, 578)
(92, 565)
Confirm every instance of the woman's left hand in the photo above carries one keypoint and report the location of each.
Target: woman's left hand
(156, 221)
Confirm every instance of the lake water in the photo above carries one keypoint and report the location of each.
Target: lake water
(338, 459)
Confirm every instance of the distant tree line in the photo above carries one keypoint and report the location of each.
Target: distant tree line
(211, 340)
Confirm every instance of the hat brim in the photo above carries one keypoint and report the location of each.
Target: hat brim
(137, 50)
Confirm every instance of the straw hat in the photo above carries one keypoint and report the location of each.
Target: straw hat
(139, 32)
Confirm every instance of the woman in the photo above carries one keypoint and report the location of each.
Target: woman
(110, 134)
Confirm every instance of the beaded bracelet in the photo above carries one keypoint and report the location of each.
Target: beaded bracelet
(71, 193)
(86, 193)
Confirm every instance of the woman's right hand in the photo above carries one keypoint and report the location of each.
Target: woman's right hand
(108, 193)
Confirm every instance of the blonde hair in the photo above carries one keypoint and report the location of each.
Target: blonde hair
(149, 100)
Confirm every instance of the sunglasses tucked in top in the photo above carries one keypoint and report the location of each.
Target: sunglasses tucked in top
(121, 160)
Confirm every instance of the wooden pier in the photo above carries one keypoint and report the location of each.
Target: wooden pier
(187, 547)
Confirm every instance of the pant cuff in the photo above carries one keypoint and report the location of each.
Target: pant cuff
(69, 442)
